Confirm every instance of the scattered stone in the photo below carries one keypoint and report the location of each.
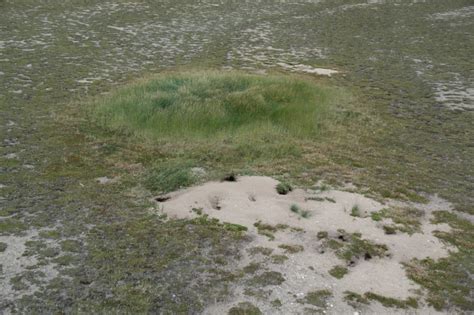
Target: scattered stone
(11, 142)
(105, 180)
(198, 172)
(10, 156)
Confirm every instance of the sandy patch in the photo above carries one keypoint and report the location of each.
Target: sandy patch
(307, 69)
(253, 198)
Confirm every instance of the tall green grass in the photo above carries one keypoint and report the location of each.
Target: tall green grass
(209, 106)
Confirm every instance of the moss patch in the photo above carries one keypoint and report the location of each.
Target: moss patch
(355, 298)
(317, 298)
(245, 308)
(338, 272)
(267, 278)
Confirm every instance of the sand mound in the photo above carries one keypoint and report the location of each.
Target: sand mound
(254, 199)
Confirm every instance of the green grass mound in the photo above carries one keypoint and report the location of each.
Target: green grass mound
(216, 105)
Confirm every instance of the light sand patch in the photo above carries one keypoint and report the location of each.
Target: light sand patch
(307, 69)
(466, 12)
(252, 199)
(14, 263)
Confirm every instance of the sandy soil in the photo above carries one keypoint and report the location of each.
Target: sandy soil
(252, 199)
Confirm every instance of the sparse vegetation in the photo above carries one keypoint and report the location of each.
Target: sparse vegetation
(355, 211)
(351, 247)
(295, 208)
(291, 249)
(245, 308)
(269, 230)
(317, 298)
(322, 235)
(355, 298)
(265, 251)
(405, 219)
(390, 229)
(448, 279)
(252, 268)
(267, 278)
(278, 259)
(338, 272)
(391, 302)
(303, 213)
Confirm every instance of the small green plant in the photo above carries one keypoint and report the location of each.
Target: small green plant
(376, 216)
(338, 272)
(279, 259)
(198, 211)
(391, 302)
(276, 303)
(355, 298)
(390, 229)
(355, 211)
(322, 235)
(323, 187)
(265, 251)
(283, 188)
(317, 298)
(269, 230)
(252, 268)
(245, 308)
(234, 227)
(406, 219)
(291, 249)
(267, 278)
(295, 208)
(303, 213)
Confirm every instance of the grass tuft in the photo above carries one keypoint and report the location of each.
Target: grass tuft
(338, 272)
(283, 188)
(317, 298)
(169, 178)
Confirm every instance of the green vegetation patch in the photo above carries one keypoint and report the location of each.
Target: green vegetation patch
(279, 259)
(317, 298)
(297, 209)
(166, 178)
(355, 211)
(351, 247)
(448, 280)
(11, 226)
(265, 251)
(354, 298)
(267, 278)
(291, 249)
(165, 257)
(338, 272)
(405, 219)
(212, 105)
(283, 188)
(268, 230)
(245, 308)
